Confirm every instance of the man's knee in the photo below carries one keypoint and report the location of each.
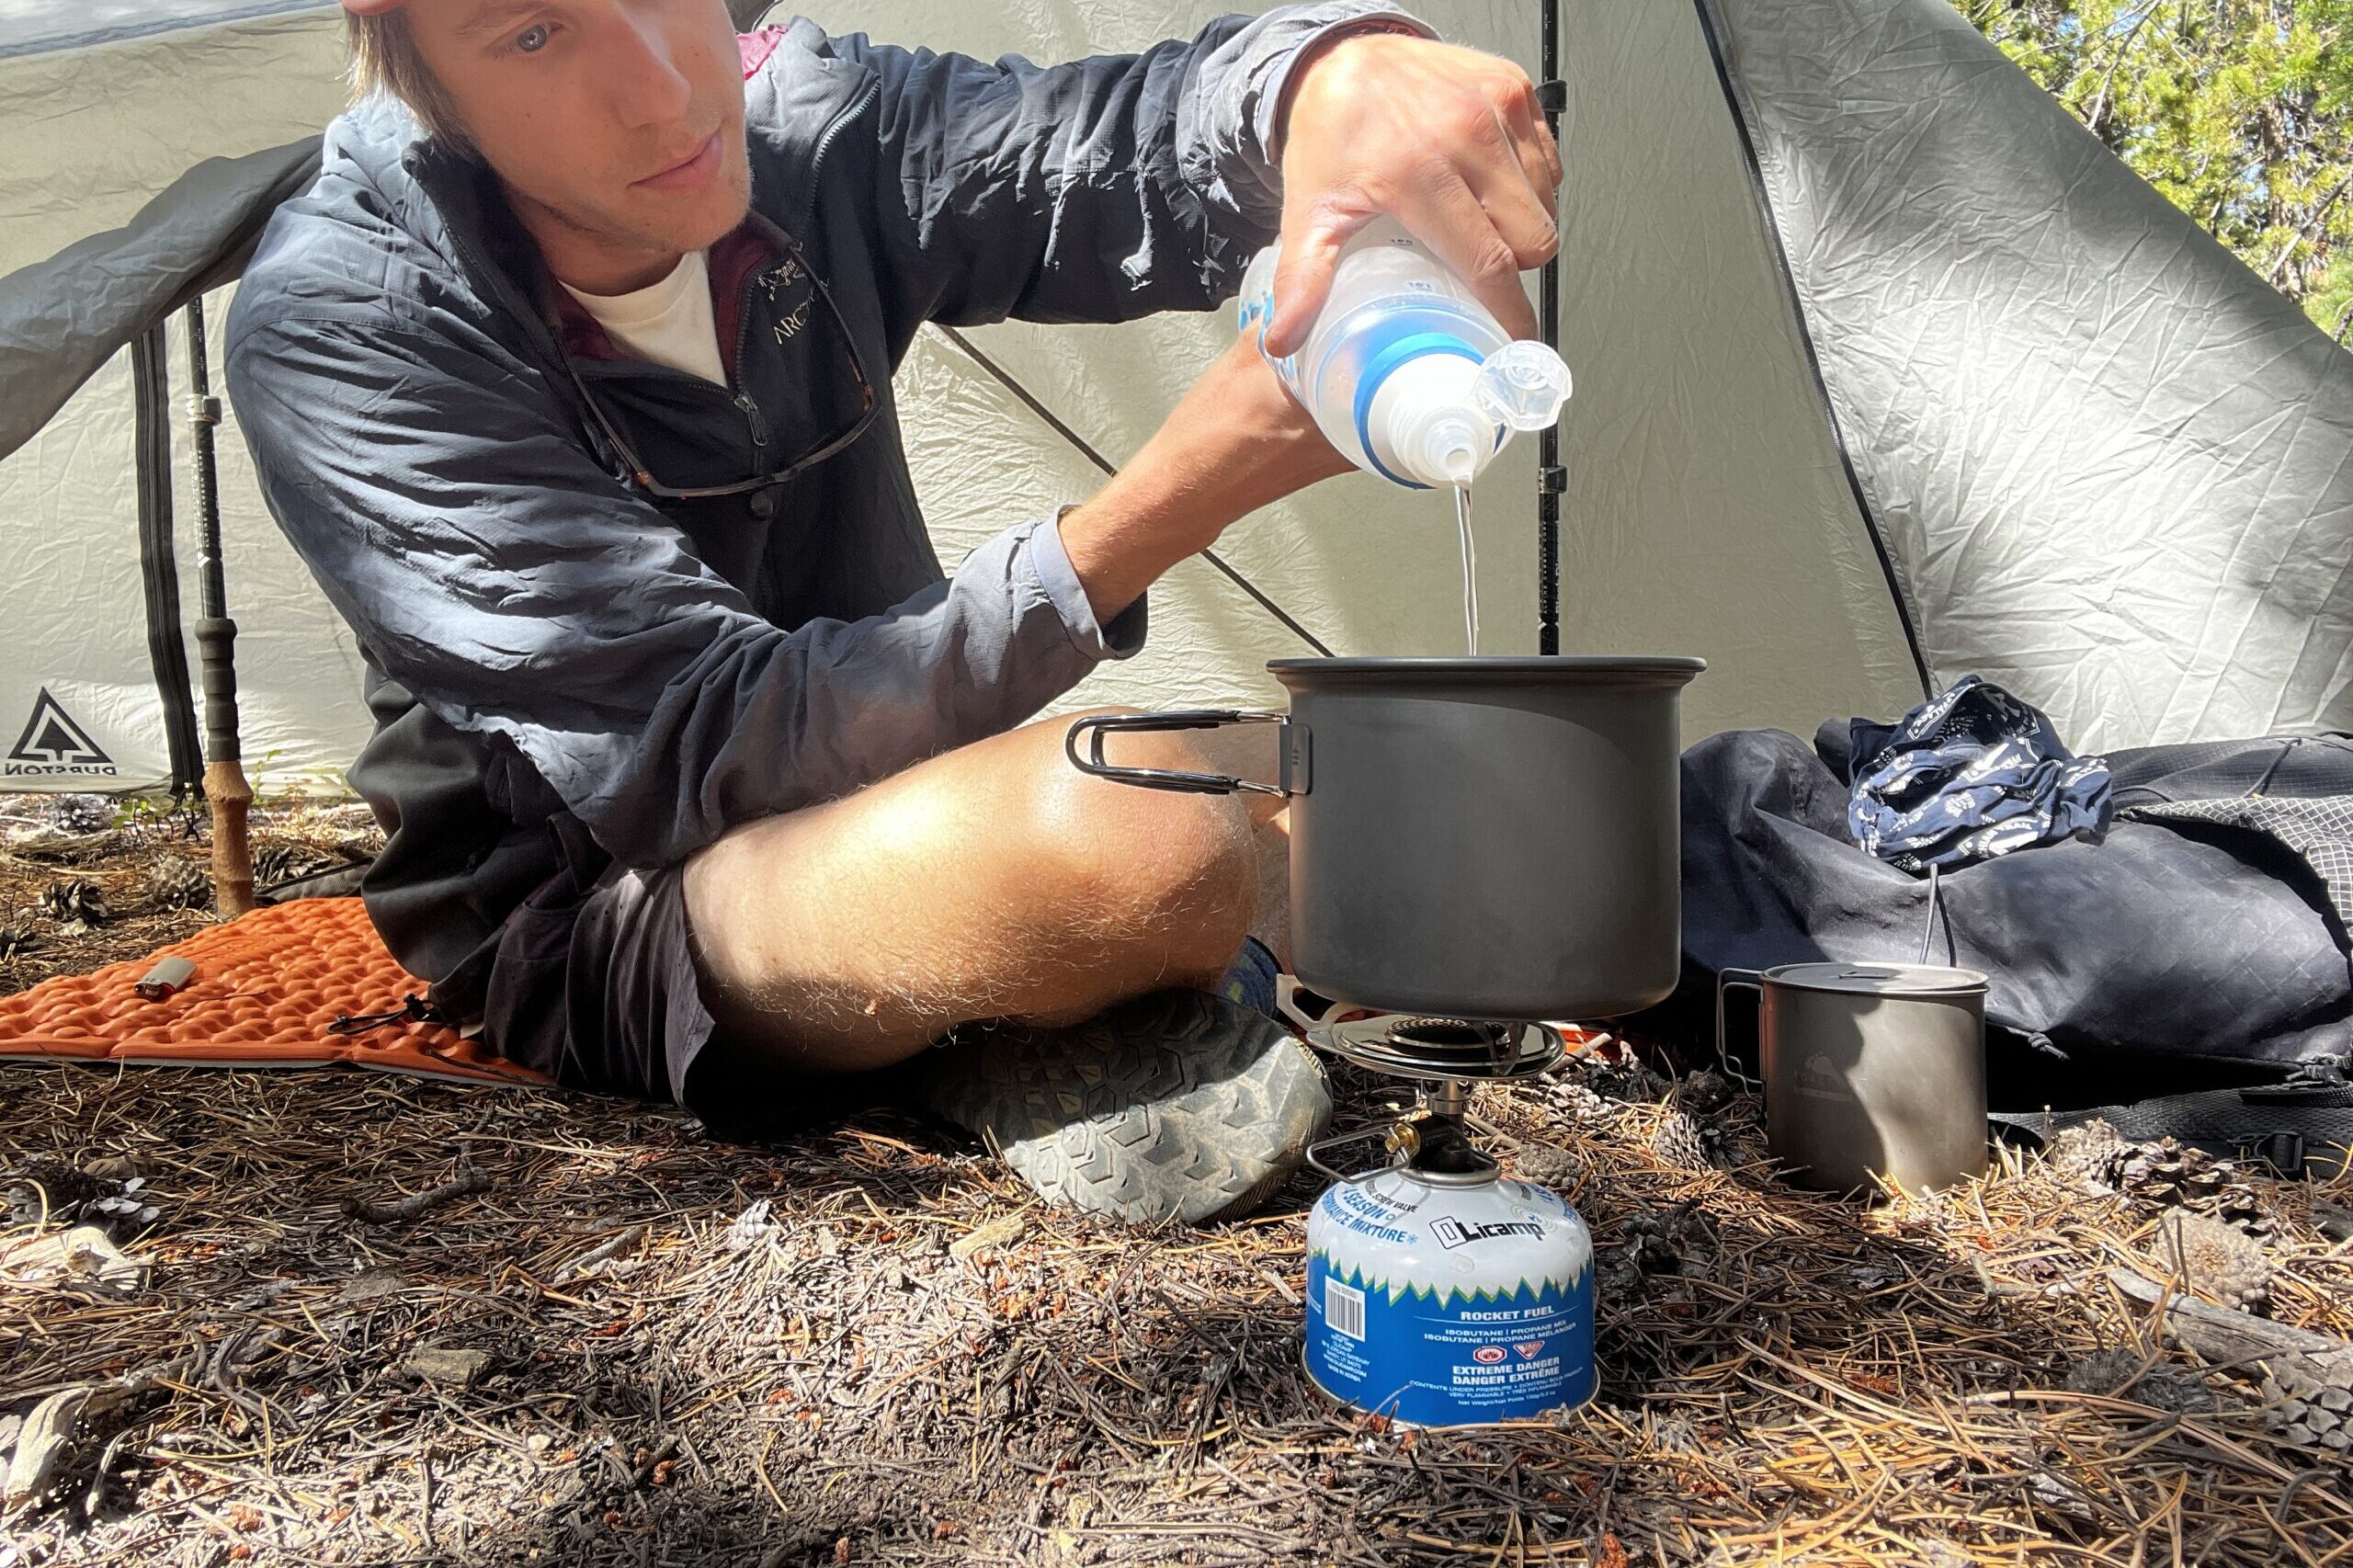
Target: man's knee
(1153, 861)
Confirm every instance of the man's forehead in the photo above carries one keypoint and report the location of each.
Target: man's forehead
(463, 17)
(472, 16)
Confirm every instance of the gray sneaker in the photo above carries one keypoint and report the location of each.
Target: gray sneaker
(1179, 1105)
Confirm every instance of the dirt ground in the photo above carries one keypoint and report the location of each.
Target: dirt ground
(610, 1339)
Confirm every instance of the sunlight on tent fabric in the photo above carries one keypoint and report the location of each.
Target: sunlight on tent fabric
(2104, 465)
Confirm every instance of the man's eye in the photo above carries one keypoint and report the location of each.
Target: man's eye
(532, 39)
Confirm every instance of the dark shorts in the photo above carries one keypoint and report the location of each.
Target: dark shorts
(597, 988)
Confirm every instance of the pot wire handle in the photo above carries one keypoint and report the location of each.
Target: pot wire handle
(1096, 726)
(1727, 981)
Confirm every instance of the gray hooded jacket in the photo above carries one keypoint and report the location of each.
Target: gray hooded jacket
(566, 673)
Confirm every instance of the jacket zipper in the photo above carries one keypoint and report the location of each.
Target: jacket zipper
(752, 417)
(744, 400)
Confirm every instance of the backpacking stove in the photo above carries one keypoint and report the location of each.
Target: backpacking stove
(1440, 1292)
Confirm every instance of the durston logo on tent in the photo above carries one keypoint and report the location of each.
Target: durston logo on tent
(55, 746)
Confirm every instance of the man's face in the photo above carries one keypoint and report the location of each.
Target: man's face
(620, 121)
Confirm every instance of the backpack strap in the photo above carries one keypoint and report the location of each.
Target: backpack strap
(2302, 1122)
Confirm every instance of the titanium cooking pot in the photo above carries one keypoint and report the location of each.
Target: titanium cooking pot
(1473, 837)
(1871, 1069)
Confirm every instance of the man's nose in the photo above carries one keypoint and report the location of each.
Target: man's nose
(648, 88)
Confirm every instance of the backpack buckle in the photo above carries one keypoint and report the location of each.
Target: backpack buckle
(2283, 1152)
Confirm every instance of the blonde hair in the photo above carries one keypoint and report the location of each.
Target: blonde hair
(385, 59)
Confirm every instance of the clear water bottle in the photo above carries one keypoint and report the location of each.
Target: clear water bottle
(1405, 371)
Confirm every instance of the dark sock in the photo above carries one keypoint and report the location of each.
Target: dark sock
(1251, 981)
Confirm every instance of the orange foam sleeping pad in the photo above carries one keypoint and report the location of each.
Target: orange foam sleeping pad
(266, 988)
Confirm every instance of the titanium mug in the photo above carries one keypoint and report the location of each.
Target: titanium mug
(1478, 838)
(1871, 1070)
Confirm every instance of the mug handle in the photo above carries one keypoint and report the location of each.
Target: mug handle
(1098, 725)
(1727, 981)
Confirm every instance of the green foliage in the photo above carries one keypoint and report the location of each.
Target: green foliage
(2240, 111)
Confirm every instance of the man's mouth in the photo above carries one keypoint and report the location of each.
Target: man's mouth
(689, 173)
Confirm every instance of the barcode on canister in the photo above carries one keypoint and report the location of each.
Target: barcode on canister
(1344, 1309)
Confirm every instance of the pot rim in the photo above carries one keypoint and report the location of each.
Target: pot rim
(1565, 669)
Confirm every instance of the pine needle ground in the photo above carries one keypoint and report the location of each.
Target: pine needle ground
(610, 1339)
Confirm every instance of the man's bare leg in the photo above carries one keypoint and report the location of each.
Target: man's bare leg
(995, 882)
(998, 883)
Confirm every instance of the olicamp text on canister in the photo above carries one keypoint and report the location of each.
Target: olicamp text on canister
(1449, 1305)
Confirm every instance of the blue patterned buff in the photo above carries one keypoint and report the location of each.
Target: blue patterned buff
(1967, 776)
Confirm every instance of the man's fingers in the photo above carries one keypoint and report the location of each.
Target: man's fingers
(1304, 280)
(1540, 157)
(1448, 217)
(1519, 209)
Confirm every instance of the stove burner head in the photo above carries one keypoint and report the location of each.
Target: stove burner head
(1444, 1049)
(1479, 1047)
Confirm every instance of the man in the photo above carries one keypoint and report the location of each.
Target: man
(570, 381)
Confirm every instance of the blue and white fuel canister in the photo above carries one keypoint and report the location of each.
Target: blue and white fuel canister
(1449, 1305)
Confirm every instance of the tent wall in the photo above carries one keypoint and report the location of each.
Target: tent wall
(2062, 404)
(1708, 512)
(93, 133)
(2114, 469)
(1705, 513)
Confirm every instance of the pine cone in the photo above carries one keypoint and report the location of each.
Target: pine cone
(81, 814)
(2312, 1399)
(1684, 1140)
(1547, 1164)
(1649, 1249)
(2160, 1387)
(2219, 1261)
(174, 883)
(2166, 1173)
(76, 903)
(2242, 1207)
(2088, 1155)
(1628, 1082)
(285, 862)
(1579, 1103)
(50, 1188)
(1705, 1093)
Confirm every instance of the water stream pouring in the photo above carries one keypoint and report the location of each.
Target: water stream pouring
(1410, 377)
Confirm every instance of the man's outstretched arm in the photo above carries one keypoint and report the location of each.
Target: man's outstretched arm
(1115, 187)
(487, 564)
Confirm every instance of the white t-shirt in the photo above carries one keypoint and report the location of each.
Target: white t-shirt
(669, 323)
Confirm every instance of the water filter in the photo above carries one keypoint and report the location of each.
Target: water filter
(1405, 371)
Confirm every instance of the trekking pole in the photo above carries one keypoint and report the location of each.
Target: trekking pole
(216, 643)
(1551, 477)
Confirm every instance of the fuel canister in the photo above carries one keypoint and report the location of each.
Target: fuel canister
(1442, 1303)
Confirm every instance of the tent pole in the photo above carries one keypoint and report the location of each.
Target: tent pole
(216, 642)
(1551, 478)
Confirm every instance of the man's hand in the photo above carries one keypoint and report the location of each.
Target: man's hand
(1237, 441)
(1447, 141)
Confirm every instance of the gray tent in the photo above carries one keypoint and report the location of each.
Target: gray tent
(1887, 372)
